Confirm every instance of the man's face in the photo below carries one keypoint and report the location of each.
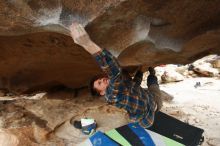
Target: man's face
(101, 85)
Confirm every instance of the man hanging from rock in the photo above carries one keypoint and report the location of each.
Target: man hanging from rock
(119, 89)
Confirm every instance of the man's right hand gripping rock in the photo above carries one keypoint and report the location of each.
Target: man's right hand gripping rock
(81, 37)
(79, 34)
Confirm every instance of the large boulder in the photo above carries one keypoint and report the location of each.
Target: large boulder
(37, 52)
(205, 66)
(171, 76)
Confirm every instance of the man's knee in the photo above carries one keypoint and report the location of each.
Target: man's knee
(155, 90)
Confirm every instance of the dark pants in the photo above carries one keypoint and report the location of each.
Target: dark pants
(153, 87)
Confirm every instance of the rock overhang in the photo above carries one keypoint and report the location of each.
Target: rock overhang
(37, 52)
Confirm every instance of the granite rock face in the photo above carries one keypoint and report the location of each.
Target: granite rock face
(37, 52)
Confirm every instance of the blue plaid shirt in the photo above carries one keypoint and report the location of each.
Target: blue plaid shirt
(124, 92)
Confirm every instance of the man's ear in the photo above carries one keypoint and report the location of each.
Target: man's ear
(102, 93)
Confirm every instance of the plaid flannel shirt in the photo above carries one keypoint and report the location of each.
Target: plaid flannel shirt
(124, 92)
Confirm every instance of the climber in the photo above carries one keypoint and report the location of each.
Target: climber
(119, 89)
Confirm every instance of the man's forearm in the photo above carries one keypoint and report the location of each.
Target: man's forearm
(92, 48)
(81, 37)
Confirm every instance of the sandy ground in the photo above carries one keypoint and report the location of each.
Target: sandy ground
(197, 106)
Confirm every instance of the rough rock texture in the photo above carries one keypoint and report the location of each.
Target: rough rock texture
(46, 121)
(37, 52)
